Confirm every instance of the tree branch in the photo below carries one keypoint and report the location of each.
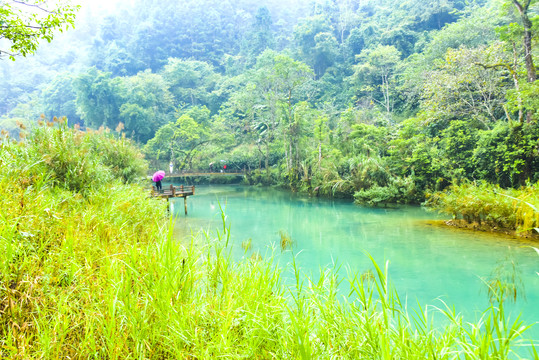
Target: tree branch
(189, 154)
(34, 6)
(494, 66)
(6, 52)
(6, 27)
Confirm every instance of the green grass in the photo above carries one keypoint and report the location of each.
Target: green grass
(96, 273)
(482, 203)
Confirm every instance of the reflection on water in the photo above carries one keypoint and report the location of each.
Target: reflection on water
(425, 262)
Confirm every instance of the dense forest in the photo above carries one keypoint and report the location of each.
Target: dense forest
(379, 100)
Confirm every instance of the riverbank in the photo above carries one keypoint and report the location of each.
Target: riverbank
(487, 207)
(462, 225)
(89, 269)
(474, 226)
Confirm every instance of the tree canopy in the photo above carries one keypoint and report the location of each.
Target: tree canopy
(23, 23)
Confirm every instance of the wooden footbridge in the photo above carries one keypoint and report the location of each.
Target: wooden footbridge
(203, 173)
(175, 192)
(186, 191)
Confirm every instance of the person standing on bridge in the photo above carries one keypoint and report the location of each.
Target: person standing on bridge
(224, 167)
(157, 177)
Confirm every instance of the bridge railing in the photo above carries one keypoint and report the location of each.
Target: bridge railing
(174, 190)
(206, 172)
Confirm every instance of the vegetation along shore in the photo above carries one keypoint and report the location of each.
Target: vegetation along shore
(381, 102)
(90, 270)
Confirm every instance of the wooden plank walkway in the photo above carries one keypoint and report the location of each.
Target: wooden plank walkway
(175, 192)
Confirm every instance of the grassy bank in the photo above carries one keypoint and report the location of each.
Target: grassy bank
(487, 206)
(89, 269)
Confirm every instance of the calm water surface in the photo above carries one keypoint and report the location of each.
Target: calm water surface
(426, 262)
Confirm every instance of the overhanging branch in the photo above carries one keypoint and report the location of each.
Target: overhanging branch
(34, 6)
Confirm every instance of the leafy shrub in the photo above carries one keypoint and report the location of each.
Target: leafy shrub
(67, 156)
(507, 154)
(74, 160)
(398, 191)
(459, 141)
(366, 172)
(121, 155)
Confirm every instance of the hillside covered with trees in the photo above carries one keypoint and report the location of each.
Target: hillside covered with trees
(380, 100)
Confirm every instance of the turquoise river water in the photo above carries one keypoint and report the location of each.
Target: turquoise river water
(426, 262)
